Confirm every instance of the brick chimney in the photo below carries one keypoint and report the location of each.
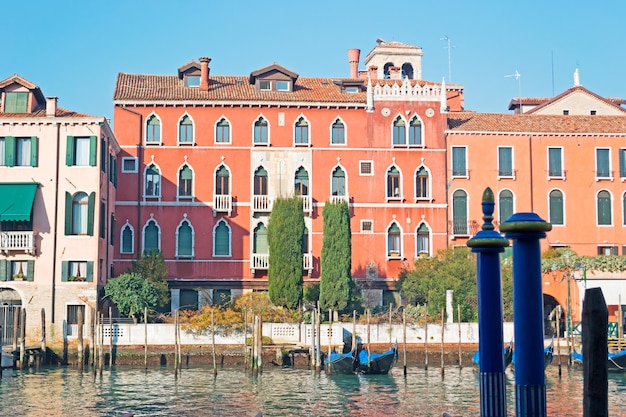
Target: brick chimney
(204, 73)
(51, 106)
(395, 73)
(353, 60)
(373, 70)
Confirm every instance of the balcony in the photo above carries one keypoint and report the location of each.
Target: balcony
(260, 261)
(463, 228)
(15, 241)
(307, 260)
(338, 198)
(222, 203)
(262, 203)
(306, 204)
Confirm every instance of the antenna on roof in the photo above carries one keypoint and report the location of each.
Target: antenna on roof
(445, 38)
(518, 77)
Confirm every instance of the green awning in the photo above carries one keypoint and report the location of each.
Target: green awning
(16, 200)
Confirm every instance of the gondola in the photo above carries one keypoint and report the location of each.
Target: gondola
(548, 355)
(616, 362)
(507, 352)
(342, 363)
(377, 363)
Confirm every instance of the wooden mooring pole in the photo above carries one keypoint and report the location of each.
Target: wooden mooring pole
(404, 338)
(110, 337)
(330, 337)
(458, 309)
(558, 336)
(213, 341)
(80, 345)
(176, 343)
(145, 338)
(318, 340)
(443, 319)
(23, 340)
(44, 352)
(595, 353)
(426, 341)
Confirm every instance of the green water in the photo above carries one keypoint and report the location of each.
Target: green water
(276, 392)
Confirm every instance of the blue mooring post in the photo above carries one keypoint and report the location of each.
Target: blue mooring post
(488, 244)
(525, 229)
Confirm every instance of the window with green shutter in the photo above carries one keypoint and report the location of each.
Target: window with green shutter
(505, 204)
(459, 212)
(127, 239)
(393, 241)
(185, 182)
(555, 162)
(221, 240)
(505, 162)
(603, 163)
(604, 208)
(16, 102)
(184, 240)
(103, 155)
(151, 237)
(556, 207)
(260, 239)
(459, 163)
(622, 163)
(9, 151)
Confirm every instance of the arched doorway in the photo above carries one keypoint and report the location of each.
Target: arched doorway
(550, 316)
(10, 302)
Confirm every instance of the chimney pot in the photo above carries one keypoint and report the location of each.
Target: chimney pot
(204, 73)
(51, 106)
(353, 60)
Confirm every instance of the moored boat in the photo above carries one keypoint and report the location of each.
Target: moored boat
(342, 363)
(616, 362)
(377, 363)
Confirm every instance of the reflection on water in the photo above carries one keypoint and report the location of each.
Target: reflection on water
(276, 392)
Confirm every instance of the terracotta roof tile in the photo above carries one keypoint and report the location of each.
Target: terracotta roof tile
(41, 112)
(529, 123)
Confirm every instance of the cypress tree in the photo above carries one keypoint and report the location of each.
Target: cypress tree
(336, 284)
(284, 233)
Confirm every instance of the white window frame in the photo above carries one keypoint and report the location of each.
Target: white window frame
(363, 222)
(361, 171)
(126, 159)
(555, 177)
(610, 176)
(466, 174)
(132, 241)
(512, 176)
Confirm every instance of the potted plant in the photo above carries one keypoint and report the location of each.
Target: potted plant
(18, 277)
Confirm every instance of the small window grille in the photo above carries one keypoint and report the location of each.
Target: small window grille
(367, 226)
(366, 168)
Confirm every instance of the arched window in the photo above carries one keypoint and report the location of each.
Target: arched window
(604, 208)
(394, 249)
(415, 131)
(184, 240)
(338, 133)
(185, 130)
(393, 183)
(421, 184)
(260, 244)
(301, 133)
(151, 241)
(301, 182)
(261, 131)
(399, 131)
(222, 180)
(185, 182)
(127, 239)
(459, 212)
(338, 187)
(153, 181)
(153, 130)
(407, 71)
(422, 240)
(386, 74)
(80, 213)
(556, 207)
(260, 181)
(221, 239)
(505, 204)
(222, 131)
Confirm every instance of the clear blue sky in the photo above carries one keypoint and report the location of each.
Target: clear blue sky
(75, 49)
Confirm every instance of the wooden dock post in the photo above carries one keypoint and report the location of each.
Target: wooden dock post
(426, 341)
(558, 336)
(101, 344)
(390, 316)
(318, 341)
(404, 338)
(110, 337)
(595, 353)
(353, 347)
(16, 327)
(443, 326)
(458, 309)
(44, 351)
(330, 336)
(80, 346)
(213, 341)
(369, 350)
(23, 340)
(245, 339)
(176, 343)
(312, 356)
(145, 338)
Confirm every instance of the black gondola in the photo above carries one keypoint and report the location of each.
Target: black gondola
(377, 363)
(342, 363)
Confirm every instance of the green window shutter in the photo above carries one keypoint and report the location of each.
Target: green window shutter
(89, 271)
(222, 239)
(90, 213)
(93, 150)
(3, 270)
(103, 156)
(127, 240)
(69, 151)
(34, 151)
(115, 172)
(68, 214)
(64, 270)
(556, 207)
(30, 270)
(184, 240)
(9, 151)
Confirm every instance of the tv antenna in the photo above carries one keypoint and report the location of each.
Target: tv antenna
(449, 47)
(518, 77)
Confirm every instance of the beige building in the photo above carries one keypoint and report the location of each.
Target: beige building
(57, 197)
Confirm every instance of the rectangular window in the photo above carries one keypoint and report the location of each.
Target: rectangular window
(193, 81)
(81, 151)
(265, 85)
(23, 150)
(103, 222)
(2, 153)
(77, 271)
(505, 161)
(459, 161)
(19, 270)
(603, 163)
(622, 163)
(555, 162)
(366, 168)
(129, 165)
(73, 312)
(282, 85)
(16, 102)
(608, 250)
(367, 226)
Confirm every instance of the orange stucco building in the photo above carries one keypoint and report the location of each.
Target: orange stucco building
(204, 156)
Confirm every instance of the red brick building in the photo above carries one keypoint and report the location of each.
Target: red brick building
(204, 156)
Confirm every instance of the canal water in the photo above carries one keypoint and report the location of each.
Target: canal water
(276, 392)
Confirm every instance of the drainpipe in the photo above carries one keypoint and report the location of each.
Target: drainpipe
(530, 151)
(56, 224)
(139, 159)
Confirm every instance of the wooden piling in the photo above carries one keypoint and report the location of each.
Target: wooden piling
(353, 331)
(313, 355)
(404, 338)
(43, 357)
(255, 344)
(176, 343)
(390, 316)
(110, 337)
(458, 309)
(16, 327)
(330, 336)
(426, 342)
(245, 339)
(443, 316)
(213, 341)
(260, 348)
(92, 333)
(558, 336)
(80, 345)
(145, 338)
(101, 344)
(318, 341)
(595, 353)
(23, 340)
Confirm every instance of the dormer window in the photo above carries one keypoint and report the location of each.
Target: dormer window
(16, 102)
(352, 89)
(193, 81)
(273, 78)
(282, 85)
(265, 85)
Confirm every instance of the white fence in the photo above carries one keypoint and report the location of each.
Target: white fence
(298, 334)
